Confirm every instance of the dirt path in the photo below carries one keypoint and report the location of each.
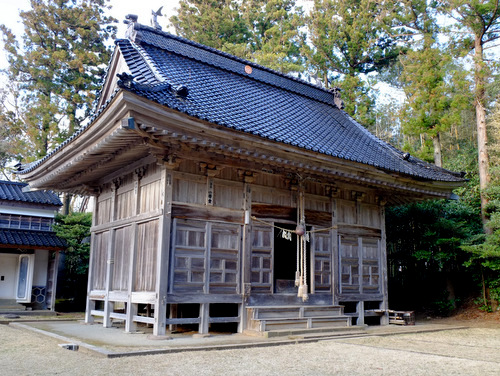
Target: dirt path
(474, 351)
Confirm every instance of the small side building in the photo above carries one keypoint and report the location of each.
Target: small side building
(228, 193)
(29, 249)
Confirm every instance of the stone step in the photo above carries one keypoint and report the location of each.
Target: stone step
(280, 312)
(311, 333)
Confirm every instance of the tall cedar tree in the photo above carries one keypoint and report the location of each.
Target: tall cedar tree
(55, 71)
(432, 104)
(351, 38)
(480, 21)
(266, 32)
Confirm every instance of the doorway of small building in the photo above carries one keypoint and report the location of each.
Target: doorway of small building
(285, 259)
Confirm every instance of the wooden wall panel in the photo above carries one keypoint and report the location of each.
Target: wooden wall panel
(149, 197)
(189, 191)
(124, 203)
(103, 211)
(228, 196)
(318, 203)
(121, 262)
(99, 261)
(146, 252)
(346, 212)
(370, 215)
(266, 195)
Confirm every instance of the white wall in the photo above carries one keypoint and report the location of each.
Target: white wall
(8, 269)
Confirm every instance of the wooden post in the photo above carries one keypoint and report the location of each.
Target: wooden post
(361, 304)
(132, 308)
(360, 307)
(108, 306)
(160, 314)
(246, 254)
(384, 320)
(90, 306)
(130, 325)
(335, 259)
(204, 318)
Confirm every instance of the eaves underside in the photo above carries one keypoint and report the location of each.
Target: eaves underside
(137, 138)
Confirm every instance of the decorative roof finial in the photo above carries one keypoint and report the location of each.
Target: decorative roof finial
(337, 101)
(154, 20)
(130, 20)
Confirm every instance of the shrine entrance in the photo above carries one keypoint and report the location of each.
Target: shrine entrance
(285, 259)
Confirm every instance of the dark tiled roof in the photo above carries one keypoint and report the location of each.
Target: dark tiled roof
(30, 238)
(264, 103)
(13, 191)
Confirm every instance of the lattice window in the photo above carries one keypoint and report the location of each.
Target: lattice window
(349, 264)
(206, 257)
(25, 222)
(322, 247)
(262, 259)
(359, 264)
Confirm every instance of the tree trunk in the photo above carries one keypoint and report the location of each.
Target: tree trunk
(482, 137)
(436, 141)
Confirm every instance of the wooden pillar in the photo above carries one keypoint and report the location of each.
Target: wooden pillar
(361, 304)
(361, 313)
(163, 250)
(204, 318)
(90, 305)
(132, 308)
(246, 255)
(384, 320)
(108, 306)
(335, 259)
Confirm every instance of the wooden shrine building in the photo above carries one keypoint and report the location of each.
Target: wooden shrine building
(230, 193)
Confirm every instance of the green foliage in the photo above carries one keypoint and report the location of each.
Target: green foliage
(54, 73)
(75, 229)
(429, 79)
(267, 32)
(350, 39)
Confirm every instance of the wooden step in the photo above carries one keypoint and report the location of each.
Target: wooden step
(272, 318)
(312, 333)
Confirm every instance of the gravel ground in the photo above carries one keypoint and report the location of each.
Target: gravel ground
(474, 351)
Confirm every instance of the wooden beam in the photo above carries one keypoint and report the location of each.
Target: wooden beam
(201, 212)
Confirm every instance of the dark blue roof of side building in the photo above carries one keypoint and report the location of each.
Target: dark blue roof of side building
(30, 238)
(13, 191)
(264, 103)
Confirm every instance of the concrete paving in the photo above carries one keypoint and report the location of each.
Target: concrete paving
(115, 342)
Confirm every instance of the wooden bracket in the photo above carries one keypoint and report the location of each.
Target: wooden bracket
(247, 176)
(358, 196)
